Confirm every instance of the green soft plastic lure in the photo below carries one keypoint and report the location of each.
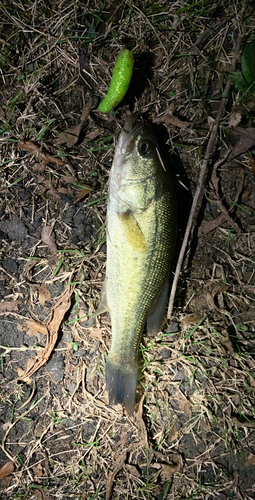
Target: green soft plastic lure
(121, 77)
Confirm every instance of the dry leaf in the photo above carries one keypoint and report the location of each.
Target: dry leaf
(210, 302)
(132, 470)
(96, 334)
(168, 117)
(71, 135)
(54, 194)
(173, 434)
(40, 154)
(167, 471)
(246, 193)
(38, 495)
(119, 465)
(210, 225)
(216, 295)
(227, 342)
(234, 118)
(140, 423)
(184, 404)
(252, 381)
(246, 141)
(35, 328)
(92, 135)
(39, 470)
(250, 460)
(20, 372)
(9, 306)
(191, 319)
(7, 469)
(44, 294)
(122, 441)
(252, 163)
(65, 190)
(30, 363)
(81, 194)
(38, 167)
(57, 315)
(68, 178)
(22, 376)
(48, 239)
(83, 315)
(6, 426)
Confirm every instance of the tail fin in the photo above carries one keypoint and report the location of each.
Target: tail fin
(121, 382)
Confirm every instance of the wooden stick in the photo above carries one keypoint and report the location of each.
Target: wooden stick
(208, 152)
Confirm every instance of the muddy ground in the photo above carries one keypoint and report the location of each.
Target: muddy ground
(192, 434)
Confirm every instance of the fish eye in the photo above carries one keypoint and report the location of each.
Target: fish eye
(144, 148)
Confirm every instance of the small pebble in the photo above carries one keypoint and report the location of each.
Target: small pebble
(10, 265)
(16, 229)
(173, 327)
(165, 353)
(56, 368)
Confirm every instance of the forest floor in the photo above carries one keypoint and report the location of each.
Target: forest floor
(192, 435)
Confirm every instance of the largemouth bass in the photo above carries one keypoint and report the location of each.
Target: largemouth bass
(141, 235)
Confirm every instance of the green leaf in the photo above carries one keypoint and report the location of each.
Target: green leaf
(251, 88)
(248, 62)
(74, 346)
(239, 81)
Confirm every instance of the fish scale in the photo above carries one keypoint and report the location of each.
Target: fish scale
(141, 236)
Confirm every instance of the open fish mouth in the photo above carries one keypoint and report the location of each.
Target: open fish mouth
(133, 127)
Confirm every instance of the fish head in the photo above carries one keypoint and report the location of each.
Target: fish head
(135, 165)
(136, 149)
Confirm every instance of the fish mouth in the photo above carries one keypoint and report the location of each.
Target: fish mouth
(131, 129)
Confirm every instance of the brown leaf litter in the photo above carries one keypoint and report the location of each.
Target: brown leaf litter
(40, 154)
(71, 135)
(169, 118)
(34, 328)
(57, 315)
(86, 189)
(48, 238)
(7, 469)
(44, 294)
(245, 140)
(184, 404)
(9, 306)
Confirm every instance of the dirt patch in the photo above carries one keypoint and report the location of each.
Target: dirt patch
(193, 434)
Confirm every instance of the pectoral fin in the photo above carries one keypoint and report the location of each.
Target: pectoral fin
(133, 232)
(102, 306)
(156, 314)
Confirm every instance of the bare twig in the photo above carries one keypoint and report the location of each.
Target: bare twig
(208, 152)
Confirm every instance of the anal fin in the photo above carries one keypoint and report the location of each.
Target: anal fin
(102, 306)
(156, 314)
